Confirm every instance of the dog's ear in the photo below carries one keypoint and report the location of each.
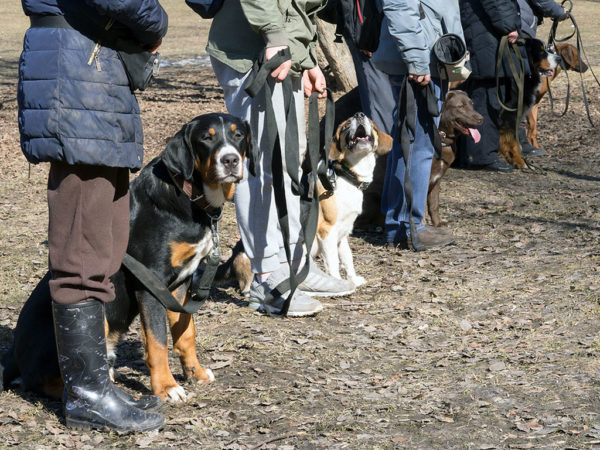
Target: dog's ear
(335, 149)
(178, 155)
(569, 55)
(384, 141)
(252, 151)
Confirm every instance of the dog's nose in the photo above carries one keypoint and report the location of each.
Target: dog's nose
(230, 161)
(360, 115)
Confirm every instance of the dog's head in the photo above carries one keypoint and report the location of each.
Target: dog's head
(543, 60)
(357, 137)
(459, 116)
(211, 148)
(570, 57)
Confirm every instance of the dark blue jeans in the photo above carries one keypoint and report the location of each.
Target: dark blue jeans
(393, 201)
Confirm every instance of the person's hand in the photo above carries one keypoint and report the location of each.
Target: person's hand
(281, 71)
(423, 80)
(513, 36)
(153, 48)
(313, 80)
(564, 16)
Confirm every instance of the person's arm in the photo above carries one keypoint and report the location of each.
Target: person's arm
(503, 16)
(265, 19)
(405, 27)
(549, 8)
(146, 19)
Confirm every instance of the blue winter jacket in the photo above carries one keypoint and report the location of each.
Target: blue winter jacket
(530, 9)
(406, 41)
(79, 113)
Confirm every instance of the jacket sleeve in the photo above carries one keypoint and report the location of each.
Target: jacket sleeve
(405, 28)
(266, 19)
(146, 19)
(503, 15)
(549, 8)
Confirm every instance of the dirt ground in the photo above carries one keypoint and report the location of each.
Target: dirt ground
(489, 343)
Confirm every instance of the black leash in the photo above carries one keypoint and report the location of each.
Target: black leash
(199, 288)
(306, 189)
(407, 120)
(553, 40)
(507, 49)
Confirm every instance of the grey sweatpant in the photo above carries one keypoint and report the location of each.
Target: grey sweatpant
(254, 200)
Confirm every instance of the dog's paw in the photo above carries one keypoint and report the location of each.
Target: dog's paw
(358, 281)
(176, 395)
(208, 377)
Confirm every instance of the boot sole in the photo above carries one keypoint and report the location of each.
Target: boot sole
(86, 425)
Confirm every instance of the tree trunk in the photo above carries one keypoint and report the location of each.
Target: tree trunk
(336, 56)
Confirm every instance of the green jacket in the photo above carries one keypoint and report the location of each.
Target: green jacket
(242, 29)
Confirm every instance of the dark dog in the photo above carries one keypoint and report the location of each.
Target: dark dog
(570, 58)
(543, 64)
(170, 233)
(458, 117)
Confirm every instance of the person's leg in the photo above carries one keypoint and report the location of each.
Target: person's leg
(82, 245)
(394, 204)
(376, 96)
(82, 254)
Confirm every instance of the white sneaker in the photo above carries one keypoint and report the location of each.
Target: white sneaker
(300, 306)
(318, 284)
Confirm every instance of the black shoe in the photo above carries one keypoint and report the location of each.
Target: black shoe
(496, 166)
(90, 398)
(526, 148)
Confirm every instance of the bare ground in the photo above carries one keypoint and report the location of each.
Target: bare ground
(489, 343)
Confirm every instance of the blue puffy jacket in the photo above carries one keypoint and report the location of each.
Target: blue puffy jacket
(77, 113)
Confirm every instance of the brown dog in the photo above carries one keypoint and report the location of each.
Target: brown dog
(571, 60)
(458, 117)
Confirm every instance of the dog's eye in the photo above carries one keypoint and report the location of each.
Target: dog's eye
(238, 134)
(208, 137)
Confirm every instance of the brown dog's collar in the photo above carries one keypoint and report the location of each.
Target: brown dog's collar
(195, 194)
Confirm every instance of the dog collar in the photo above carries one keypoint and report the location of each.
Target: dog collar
(342, 169)
(196, 195)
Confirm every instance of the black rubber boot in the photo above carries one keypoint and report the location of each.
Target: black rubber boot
(90, 399)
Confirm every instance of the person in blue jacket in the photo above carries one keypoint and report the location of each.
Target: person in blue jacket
(77, 112)
(408, 32)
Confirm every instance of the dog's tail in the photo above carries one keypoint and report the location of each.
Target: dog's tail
(237, 267)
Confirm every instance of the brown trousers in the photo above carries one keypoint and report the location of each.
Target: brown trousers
(88, 230)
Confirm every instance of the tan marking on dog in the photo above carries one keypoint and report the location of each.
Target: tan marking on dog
(181, 252)
(228, 190)
(184, 345)
(328, 212)
(508, 148)
(157, 362)
(53, 388)
(233, 127)
(212, 131)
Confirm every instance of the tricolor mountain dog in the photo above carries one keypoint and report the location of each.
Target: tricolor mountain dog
(543, 64)
(353, 153)
(457, 117)
(571, 61)
(173, 202)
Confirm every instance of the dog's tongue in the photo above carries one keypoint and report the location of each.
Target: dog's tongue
(475, 134)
